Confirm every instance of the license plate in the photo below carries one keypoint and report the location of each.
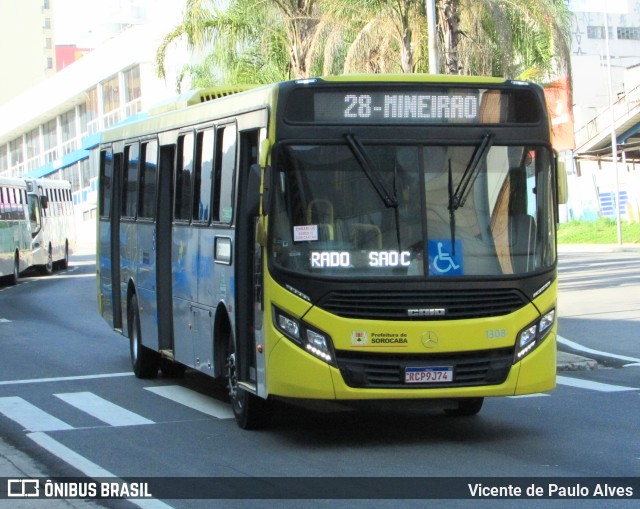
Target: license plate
(440, 374)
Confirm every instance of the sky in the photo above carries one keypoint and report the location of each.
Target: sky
(76, 20)
(72, 19)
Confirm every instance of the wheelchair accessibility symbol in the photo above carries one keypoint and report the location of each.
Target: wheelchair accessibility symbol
(442, 260)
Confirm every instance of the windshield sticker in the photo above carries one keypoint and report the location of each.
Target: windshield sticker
(443, 259)
(305, 233)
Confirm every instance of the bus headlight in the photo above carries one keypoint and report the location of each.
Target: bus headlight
(530, 337)
(312, 340)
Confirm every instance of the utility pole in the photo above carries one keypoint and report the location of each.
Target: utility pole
(614, 139)
(432, 30)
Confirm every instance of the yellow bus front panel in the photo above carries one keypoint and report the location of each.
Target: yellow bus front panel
(393, 346)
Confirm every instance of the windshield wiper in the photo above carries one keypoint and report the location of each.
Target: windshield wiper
(458, 198)
(389, 199)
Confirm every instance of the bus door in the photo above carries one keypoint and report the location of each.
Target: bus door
(145, 261)
(162, 241)
(248, 268)
(109, 237)
(184, 251)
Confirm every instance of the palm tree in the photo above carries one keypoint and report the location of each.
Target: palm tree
(247, 33)
(506, 38)
(269, 40)
(380, 35)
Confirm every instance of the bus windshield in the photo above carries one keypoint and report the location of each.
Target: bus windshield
(358, 210)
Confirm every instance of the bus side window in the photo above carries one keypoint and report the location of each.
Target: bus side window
(203, 185)
(148, 177)
(130, 181)
(184, 178)
(225, 174)
(106, 182)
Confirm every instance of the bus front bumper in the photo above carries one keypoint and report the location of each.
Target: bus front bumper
(294, 373)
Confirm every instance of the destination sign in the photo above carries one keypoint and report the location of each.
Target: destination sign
(412, 104)
(384, 107)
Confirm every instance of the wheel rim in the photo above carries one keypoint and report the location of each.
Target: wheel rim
(232, 381)
(134, 339)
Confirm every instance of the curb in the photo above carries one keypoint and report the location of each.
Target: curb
(571, 362)
(598, 248)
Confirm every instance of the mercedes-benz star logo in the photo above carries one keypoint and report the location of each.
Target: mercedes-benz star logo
(429, 339)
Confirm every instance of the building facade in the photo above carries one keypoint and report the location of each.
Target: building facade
(27, 39)
(606, 92)
(53, 128)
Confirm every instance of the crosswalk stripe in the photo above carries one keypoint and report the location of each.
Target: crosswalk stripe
(534, 395)
(594, 386)
(88, 468)
(30, 416)
(194, 400)
(102, 409)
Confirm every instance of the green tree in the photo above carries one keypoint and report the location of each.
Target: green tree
(260, 41)
(508, 38)
(246, 40)
(380, 35)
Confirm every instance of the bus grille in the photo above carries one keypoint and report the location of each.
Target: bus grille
(395, 305)
(374, 370)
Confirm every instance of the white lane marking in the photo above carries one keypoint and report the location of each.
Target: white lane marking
(594, 386)
(535, 395)
(4, 320)
(194, 400)
(29, 416)
(579, 347)
(102, 409)
(64, 378)
(87, 467)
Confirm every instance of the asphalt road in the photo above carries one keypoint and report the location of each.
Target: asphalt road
(69, 402)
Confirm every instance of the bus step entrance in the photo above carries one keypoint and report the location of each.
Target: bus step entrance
(167, 354)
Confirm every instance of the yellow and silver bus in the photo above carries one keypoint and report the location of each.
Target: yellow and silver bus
(384, 237)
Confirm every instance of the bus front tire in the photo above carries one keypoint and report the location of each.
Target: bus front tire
(249, 410)
(47, 268)
(465, 407)
(13, 279)
(144, 361)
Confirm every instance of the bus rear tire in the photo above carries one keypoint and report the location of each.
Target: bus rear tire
(64, 263)
(465, 407)
(144, 361)
(250, 411)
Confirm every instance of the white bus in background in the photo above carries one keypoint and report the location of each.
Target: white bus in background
(52, 223)
(15, 229)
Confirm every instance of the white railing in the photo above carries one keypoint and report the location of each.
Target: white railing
(625, 105)
(94, 126)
